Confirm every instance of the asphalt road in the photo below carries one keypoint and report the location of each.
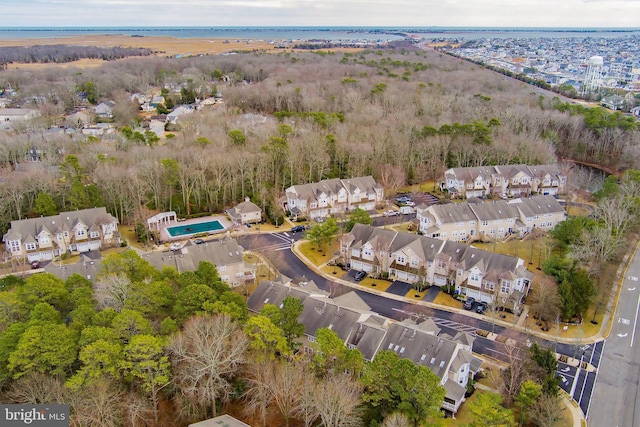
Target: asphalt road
(276, 247)
(616, 401)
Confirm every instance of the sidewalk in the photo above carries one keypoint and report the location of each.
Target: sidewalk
(576, 412)
(518, 327)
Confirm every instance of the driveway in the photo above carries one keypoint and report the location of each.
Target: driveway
(399, 288)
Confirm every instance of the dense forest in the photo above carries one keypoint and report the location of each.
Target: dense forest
(65, 53)
(403, 116)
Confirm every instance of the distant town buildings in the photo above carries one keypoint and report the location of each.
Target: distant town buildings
(585, 63)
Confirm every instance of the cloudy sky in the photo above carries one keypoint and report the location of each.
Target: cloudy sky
(220, 13)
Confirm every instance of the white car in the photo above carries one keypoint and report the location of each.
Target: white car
(175, 247)
(391, 213)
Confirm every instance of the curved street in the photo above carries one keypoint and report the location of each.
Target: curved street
(578, 382)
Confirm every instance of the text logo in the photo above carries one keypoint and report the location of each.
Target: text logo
(34, 415)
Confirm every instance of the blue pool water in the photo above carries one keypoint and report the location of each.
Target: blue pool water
(201, 227)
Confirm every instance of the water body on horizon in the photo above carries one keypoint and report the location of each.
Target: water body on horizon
(319, 33)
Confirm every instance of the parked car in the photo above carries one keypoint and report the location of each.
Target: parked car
(391, 213)
(35, 264)
(481, 308)
(198, 241)
(175, 247)
(360, 275)
(297, 228)
(468, 304)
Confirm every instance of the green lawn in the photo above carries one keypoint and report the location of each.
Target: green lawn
(314, 255)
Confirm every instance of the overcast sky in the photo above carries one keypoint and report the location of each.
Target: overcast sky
(221, 13)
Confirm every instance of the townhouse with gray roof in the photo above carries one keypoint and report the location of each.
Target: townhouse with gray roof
(505, 181)
(333, 196)
(450, 358)
(496, 279)
(489, 220)
(42, 239)
(226, 254)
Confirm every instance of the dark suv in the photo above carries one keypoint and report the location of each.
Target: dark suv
(297, 228)
(360, 275)
(468, 304)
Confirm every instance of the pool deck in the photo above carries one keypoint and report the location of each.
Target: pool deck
(223, 220)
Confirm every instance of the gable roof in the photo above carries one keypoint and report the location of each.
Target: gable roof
(225, 251)
(64, 221)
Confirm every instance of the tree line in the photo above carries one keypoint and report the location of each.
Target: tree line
(147, 347)
(288, 118)
(61, 53)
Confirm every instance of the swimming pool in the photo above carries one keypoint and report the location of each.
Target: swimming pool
(200, 227)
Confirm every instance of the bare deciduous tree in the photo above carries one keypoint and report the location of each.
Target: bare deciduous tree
(338, 401)
(206, 355)
(515, 373)
(112, 290)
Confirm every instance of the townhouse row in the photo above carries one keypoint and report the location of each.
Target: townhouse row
(43, 238)
(449, 357)
(504, 181)
(489, 220)
(321, 199)
(499, 280)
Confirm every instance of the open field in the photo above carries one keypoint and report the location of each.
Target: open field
(165, 46)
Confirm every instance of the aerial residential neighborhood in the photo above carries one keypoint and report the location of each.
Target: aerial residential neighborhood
(372, 227)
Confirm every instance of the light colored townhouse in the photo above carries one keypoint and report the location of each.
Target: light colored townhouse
(245, 212)
(504, 181)
(497, 279)
(486, 276)
(42, 239)
(468, 182)
(548, 180)
(496, 220)
(543, 212)
(450, 358)
(226, 254)
(490, 219)
(512, 181)
(452, 221)
(333, 196)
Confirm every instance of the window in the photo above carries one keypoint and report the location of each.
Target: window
(492, 231)
(224, 278)
(460, 272)
(367, 251)
(81, 232)
(511, 221)
(475, 277)
(222, 267)
(313, 205)
(485, 223)
(506, 287)
(44, 239)
(442, 264)
(414, 262)
(529, 219)
(472, 223)
(459, 224)
(444, 235)
(401, 259)
(536, 217)
(489, 286)
(14, 245)
(30, 246)
(94, 234)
